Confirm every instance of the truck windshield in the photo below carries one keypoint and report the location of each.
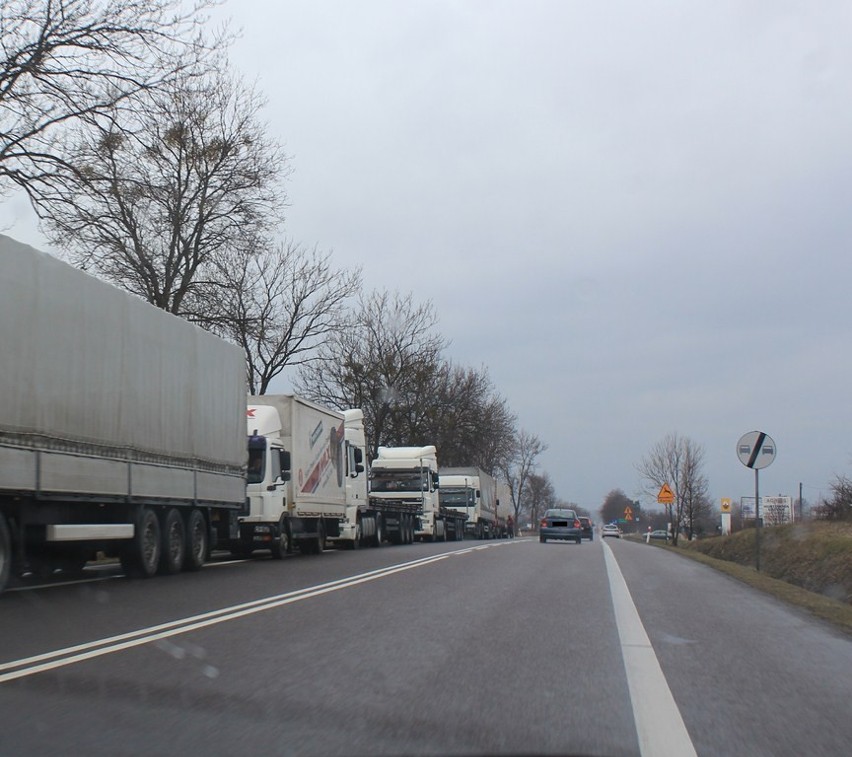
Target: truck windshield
(256, 465)
(397, 481)
(456, 497)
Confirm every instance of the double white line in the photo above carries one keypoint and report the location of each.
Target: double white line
(10, 671)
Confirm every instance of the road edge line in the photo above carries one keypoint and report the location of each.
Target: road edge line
(659, 725)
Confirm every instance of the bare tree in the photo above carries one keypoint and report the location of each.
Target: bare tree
(160, 194)
(280, 305)
(614, 505)
(67, 59)
(518, 468)
(694, 494)
(839, 505)
(462, 414)
(676, 461)
(379, 362)
(540, 496)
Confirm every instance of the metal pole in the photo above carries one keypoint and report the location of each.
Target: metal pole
(756, 519)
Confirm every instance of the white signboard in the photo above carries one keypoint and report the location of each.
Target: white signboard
(774, 511)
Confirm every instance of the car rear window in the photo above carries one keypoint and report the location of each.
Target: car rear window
(566, 514)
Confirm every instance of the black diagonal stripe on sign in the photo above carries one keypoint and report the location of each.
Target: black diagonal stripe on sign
(756, 449)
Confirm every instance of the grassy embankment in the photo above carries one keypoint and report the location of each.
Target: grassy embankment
(808, 565)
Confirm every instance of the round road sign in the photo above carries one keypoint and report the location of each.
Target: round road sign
(756, 449)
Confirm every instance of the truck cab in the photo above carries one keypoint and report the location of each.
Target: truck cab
(471, 491)
(267, 474)
(410, 475)
(355, 528)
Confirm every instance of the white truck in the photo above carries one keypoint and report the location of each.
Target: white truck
(299, 471)
(122, 428)
(505, 508)
(372, 520)
(404, 489)
(473, 492)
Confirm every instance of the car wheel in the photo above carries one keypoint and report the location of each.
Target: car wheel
(542, 540)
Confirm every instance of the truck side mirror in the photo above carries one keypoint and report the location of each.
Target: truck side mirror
(285, 465)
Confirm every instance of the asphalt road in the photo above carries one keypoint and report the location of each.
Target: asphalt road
(509, 647)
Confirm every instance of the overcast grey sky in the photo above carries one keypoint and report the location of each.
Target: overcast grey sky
(636, 215)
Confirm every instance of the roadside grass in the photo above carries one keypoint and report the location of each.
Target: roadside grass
(808, 565)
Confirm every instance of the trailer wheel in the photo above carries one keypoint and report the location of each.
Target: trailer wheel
(141, 555)
(196, 541)
(173, 546)
(281, 545)
(5, 553)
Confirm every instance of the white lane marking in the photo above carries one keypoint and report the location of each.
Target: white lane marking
(70, 655)
(73, 582)
(659, 724)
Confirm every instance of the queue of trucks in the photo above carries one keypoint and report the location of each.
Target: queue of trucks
(126, 432)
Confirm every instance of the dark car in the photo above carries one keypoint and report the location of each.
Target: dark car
(663, 535)
(560, 524)
(588, 527)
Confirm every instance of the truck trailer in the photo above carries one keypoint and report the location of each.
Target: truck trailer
(299, 470)
(407, 478)
(122, 427)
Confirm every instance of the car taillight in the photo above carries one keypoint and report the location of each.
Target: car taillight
(544, 522)
(576, 524)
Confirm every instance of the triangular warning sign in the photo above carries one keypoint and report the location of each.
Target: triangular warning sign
(666, 495)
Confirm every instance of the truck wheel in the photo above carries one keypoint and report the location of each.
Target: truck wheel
(281, 545)
(195, 552)
(356, 541)
(5, 553)
(377, 539)
(319, 542)
(409, 529)
(173, 546)
(141, 555)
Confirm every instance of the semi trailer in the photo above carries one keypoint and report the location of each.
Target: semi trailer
(473, 492)
(407, 477)
(122, 427)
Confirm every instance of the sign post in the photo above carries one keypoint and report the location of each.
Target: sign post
(726, 515)
(756, 450)
(666, 497)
